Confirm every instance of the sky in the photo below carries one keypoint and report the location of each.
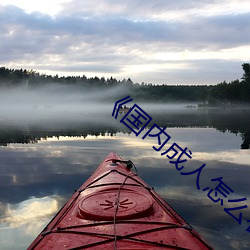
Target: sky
(153, 41)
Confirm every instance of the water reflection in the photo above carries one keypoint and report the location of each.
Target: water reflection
(21, 221)
(82, 125)
(33, 209)
(44, 162)
(50, 170)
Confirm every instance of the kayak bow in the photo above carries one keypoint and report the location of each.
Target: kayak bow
(116, 209)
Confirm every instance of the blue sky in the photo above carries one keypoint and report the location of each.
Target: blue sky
(160, 41)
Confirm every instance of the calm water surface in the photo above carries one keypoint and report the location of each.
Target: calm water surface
(43, 163)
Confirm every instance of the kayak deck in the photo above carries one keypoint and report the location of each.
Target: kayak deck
(116, 209)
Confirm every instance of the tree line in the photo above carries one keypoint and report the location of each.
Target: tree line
(236, 91)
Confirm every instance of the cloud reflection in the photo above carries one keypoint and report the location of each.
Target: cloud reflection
(29, 212)
(234, 156)
(22, 222)
(60, 166)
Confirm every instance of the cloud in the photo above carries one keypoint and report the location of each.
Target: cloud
(116, 30)
(125, 40)
(148, 10)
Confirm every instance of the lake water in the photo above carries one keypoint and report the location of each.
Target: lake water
(44, 160)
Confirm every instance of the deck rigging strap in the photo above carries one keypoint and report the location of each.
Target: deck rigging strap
(129, 164)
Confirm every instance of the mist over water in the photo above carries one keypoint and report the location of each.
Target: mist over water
(60, 107)
(61, 103)
(55, 102)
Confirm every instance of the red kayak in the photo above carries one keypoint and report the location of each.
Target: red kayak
(116, 209)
